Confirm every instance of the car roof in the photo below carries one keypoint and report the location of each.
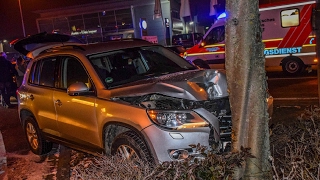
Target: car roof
(95, 48)
(37, 44)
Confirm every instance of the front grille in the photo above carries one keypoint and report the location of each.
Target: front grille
(221, 109)
(225, 128)
(217, 106)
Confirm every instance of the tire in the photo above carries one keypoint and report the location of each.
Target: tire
(130, 146)
(38, 145)
(292, 65)
(201, 63)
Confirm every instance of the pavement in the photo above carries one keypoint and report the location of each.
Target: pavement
(3, 154)
(3, 159)
(58, 159)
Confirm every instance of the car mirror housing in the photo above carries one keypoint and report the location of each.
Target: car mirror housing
(78, 88)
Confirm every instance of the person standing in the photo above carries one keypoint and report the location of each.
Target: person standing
(6, 70)
(21, 67)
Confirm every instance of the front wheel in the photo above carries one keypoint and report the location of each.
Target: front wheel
(131, 147)
(36, 142)
(292, 65)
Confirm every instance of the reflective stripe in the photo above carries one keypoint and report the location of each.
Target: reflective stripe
(285, 6)
(285, 55)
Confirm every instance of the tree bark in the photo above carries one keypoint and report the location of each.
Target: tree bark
(317, 32)
(245, 68)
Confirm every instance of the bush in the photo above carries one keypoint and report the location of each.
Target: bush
(212, 166)
(295, 154)
(295, 147)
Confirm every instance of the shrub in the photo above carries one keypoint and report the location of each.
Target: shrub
(295, 147)
(211, 166)
(295, 154)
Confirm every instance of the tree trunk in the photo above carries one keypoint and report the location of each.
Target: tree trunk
(317, 32)
(245, 68)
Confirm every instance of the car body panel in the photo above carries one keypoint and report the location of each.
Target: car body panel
(39, 101)
(76, 117)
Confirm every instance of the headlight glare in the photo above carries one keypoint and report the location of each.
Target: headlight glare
(173, 119)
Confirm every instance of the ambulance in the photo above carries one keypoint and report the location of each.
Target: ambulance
(286, 32)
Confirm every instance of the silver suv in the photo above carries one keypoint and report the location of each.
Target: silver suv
(127, 96)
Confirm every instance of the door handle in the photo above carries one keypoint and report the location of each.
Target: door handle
(58, 102)
(31, 97)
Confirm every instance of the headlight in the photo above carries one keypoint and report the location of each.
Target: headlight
(176, 119)
(185, 54)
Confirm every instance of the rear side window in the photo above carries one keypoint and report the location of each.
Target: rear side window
(42, 72)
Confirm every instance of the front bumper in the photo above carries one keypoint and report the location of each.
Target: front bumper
(162, 142)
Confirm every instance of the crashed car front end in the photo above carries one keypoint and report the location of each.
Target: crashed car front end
(190, 115)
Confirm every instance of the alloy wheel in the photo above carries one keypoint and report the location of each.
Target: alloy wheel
(32, 136)
(127, 152)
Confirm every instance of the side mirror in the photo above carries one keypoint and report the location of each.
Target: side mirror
(78, 88)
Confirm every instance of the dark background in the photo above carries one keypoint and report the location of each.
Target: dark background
(11, 26)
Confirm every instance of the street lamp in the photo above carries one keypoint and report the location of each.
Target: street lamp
(24, 32)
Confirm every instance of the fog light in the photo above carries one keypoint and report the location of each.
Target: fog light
(179, 154)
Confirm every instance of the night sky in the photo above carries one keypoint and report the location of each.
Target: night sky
(11, 26)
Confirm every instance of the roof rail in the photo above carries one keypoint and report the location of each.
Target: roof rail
(127, 39)
(52, 47)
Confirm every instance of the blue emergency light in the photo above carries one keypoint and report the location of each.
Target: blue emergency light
(222, 15)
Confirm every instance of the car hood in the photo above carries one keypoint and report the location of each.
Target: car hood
(30, 43)
(195, 85)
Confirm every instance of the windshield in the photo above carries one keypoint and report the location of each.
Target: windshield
(216, 35)
(128, 65)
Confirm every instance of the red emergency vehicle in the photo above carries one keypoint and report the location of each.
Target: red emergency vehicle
(286, 32)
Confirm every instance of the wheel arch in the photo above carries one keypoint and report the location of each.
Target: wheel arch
(113, 129)
(24, 114)
(301, 65)
(291, 57)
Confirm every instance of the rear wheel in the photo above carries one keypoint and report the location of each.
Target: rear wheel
(36, 142)
(292, 65)
(131, 147)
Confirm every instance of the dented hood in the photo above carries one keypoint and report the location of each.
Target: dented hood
(194, 85)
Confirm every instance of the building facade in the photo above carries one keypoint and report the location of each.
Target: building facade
(113, 19)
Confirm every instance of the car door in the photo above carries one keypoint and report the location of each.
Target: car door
(41, 82)
(75, 114)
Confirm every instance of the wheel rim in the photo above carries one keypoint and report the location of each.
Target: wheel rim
(127, 152)
(292, 66)
(32, 136)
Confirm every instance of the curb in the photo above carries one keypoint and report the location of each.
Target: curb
(3, 159)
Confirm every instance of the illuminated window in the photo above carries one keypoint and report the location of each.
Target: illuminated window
(290, 18)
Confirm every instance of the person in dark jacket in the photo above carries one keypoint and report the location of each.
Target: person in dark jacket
(6, 70)
(20, 67)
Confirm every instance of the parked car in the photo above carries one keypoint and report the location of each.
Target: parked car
(126, 96)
